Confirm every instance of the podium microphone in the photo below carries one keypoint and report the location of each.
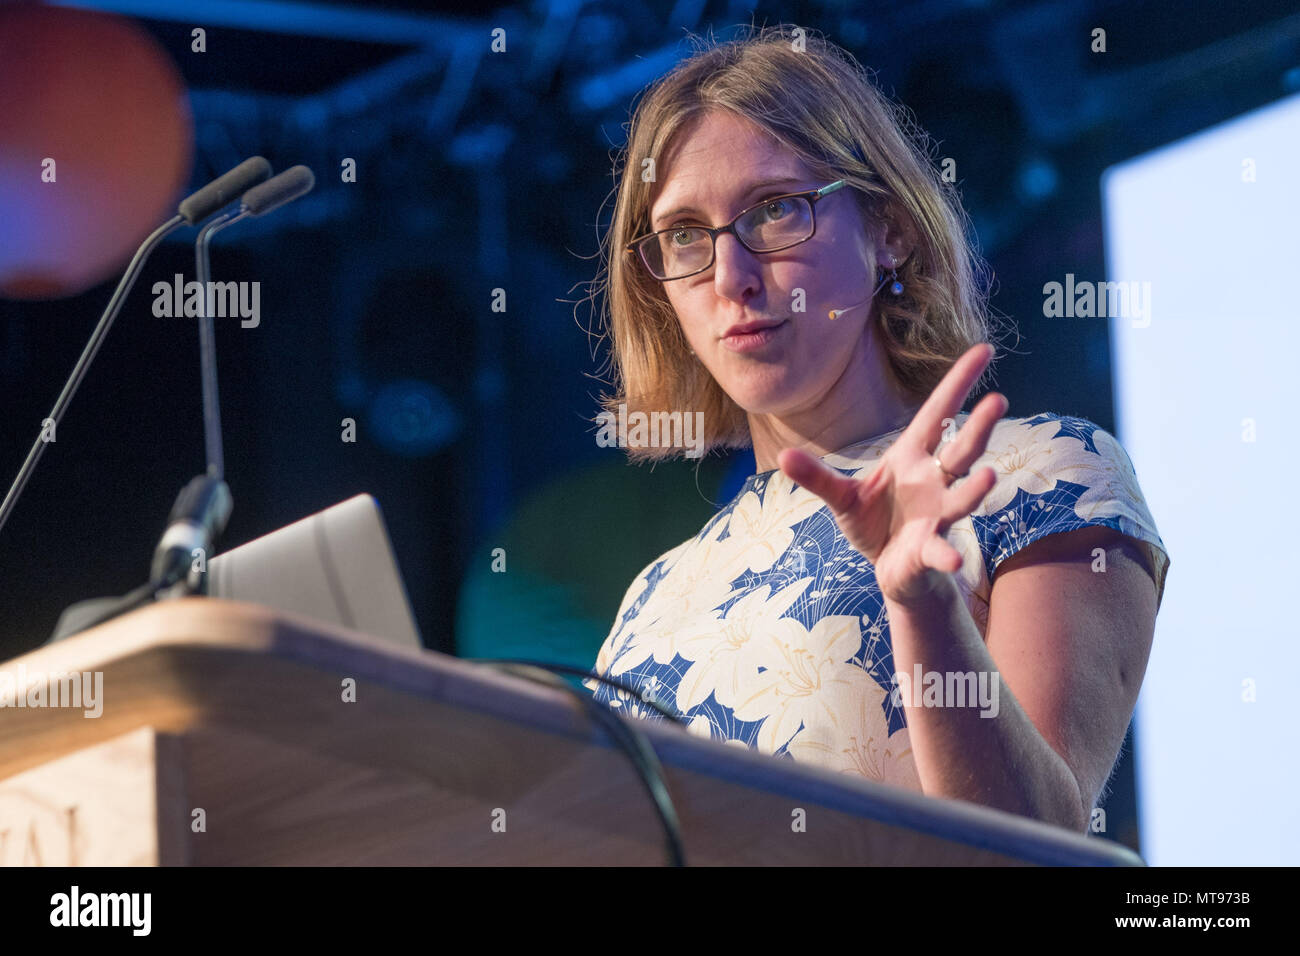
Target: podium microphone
(203, 507)
(258, 201)
(191, 210)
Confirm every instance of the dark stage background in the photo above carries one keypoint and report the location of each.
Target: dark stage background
(478, 171)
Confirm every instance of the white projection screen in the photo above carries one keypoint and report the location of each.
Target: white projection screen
(1206, 393)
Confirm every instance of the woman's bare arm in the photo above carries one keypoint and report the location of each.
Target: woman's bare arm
(1069, 645)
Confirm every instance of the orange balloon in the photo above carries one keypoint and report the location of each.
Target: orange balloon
(96, 142)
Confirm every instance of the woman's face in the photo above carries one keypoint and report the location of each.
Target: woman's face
(719, 166)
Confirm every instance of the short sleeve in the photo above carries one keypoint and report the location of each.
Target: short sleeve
(1055, 474)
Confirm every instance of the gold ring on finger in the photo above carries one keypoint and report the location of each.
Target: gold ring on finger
(947, 474)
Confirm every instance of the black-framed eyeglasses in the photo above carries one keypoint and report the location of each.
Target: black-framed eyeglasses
(770, 226)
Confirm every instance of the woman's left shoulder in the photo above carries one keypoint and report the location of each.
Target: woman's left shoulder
(1049, 448)
(1058, 473)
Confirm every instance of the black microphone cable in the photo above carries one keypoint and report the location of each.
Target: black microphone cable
(626, 737)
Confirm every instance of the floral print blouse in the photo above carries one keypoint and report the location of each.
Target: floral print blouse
(767, 630)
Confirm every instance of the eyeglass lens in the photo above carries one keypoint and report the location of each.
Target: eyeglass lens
(766, 228)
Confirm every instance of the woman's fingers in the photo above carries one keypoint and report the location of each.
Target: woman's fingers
(836, 490)
(965, 496)
(948, 396)
(938, 554)
(973, 437)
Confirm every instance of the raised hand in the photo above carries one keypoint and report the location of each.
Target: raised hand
(898, 514)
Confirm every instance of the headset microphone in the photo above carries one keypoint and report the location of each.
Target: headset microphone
(836, 313)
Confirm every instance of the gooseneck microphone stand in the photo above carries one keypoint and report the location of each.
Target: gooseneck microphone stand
(208, 344)
(203, 507)
(194, 208)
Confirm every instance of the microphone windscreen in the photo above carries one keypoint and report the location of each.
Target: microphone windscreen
(224, 189)
(274, 193)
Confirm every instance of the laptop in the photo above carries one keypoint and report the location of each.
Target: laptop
(336, 566)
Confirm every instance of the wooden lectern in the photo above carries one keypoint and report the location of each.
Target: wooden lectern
(227, 736)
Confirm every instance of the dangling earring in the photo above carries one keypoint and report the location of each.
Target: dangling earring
(895, 288)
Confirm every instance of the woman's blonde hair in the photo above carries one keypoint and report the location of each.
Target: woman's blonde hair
(819, 102)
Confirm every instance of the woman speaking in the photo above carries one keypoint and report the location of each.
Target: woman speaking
(957, 603)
